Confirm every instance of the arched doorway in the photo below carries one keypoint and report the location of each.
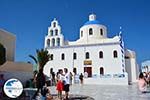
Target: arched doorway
(101, 71)
(75, 70)
(88, 70)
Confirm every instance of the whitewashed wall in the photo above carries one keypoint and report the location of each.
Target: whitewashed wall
(110, 64)
(132, 70)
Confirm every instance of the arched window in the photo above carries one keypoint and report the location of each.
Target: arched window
(74, 55)
(56, 31)
(101, 31)
(123, 70)
(90, 31)
(115, 54)
(51, 32)
(87, 55)
(51, 57)
(101, 71)
(58, 41)
(54, 24)
(81, 33)
(53, 42)
(75, 70)
(100, 54)
(48, 42)
(62, 56)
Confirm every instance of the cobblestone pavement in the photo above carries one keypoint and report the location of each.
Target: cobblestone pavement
(103, 92)
(74, 97)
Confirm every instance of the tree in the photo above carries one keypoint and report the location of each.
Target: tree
(42, 57)
(35, 66)
(35, 60)
(2, 54)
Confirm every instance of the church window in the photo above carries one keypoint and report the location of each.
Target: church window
(53, 42)
(87, 55)
(90, 31)
(62, 56)
(75, 70)
(101, 31)
(58, 41)
(123, 70)
(51, 57)
(54, 24)
(51, 32)
(48, 42)
(56, 31)
(100, 54)
(74, 55)
(101, 71)
(115, 54)
(81, 33)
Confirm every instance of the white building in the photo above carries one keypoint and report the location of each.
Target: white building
(145, 66)
(131, 65)
(103, 58)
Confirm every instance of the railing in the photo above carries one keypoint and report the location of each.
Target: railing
(118, 75)
(108, 76)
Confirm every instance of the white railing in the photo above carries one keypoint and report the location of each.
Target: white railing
(108, 76)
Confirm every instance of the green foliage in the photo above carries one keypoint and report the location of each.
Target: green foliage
(32, 57)
(42, 57)
(2, 54)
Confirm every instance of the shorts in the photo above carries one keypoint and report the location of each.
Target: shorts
(66, 88)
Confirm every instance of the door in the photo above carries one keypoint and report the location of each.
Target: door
(88, 70)
(101, 71)
(75, 70)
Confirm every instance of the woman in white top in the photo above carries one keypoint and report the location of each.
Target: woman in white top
(142, 83)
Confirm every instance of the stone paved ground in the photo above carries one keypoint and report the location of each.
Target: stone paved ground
(75, 97)
(103, 92)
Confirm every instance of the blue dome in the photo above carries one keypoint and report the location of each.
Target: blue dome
(92, 22)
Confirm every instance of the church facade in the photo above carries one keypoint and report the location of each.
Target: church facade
(102, 58)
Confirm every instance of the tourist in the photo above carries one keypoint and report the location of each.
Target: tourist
(57, 76)
(2, 81)
(86, 74)
(34, 78)
(40, 82)
(148, 78)
(66, 83)
(81, 78)
(48, 95)
(142, 83)
(52, 77)
(71, 78)
(59, 85)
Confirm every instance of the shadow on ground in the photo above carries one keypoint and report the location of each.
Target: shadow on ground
(74, 97)
(71, 97)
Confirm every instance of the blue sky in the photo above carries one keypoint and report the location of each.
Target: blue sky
(29, 21)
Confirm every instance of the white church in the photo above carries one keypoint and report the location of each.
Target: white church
(104, 59)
